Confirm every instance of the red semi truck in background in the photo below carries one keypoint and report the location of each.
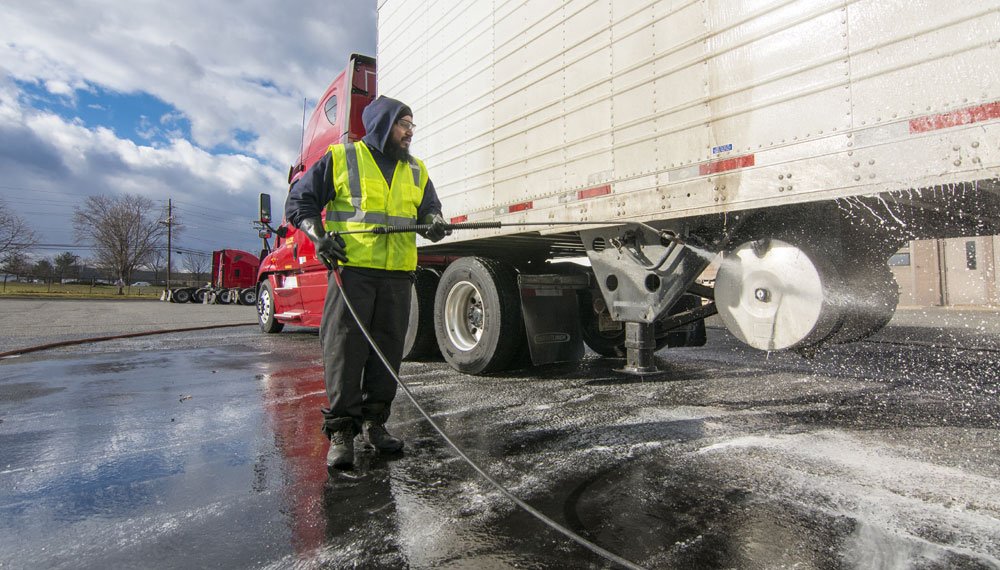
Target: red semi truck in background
(234, 281)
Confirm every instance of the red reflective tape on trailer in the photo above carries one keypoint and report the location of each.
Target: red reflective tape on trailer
(520, 207)
(724, 165)
(459, 219)
(593, 192)
(956, 118)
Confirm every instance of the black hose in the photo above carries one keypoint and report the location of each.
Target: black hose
(20, 351)
(531, 510)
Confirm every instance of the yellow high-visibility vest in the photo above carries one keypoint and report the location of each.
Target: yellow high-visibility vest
(364, 200)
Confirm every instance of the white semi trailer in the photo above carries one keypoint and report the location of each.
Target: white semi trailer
(804, 140)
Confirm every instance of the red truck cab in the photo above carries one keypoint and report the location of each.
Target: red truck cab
(232, 268)
(291, 281)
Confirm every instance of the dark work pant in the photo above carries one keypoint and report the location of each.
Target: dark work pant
(357, 382)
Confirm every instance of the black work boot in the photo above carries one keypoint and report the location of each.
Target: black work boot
(374, 436)
(341, 454)
(341, 433)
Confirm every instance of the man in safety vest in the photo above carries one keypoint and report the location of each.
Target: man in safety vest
(363, 185)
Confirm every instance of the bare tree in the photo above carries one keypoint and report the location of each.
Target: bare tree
(197, 266)
(121, 230)
(15, 235)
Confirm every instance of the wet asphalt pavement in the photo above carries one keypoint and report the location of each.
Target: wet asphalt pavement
(203, 450)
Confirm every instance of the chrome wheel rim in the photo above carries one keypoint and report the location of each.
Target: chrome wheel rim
(264, 305)
(464, 319)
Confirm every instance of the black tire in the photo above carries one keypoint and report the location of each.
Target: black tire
(199, 296)
(872, 294)
(224, 297)
(421, 341)
(265, 310)
(248, 296)
(181, 295)
(477, 315)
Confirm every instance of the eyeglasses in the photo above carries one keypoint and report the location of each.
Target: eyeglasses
(408, 125)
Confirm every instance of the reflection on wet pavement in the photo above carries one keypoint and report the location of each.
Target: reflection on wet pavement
(207, 452)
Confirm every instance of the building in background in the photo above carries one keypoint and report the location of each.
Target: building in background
(948, 272)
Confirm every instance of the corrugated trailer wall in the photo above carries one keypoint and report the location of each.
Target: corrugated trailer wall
(608, 109)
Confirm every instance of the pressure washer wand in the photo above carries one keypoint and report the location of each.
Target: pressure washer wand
(420, 228)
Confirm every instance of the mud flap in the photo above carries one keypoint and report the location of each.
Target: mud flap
(551, 317)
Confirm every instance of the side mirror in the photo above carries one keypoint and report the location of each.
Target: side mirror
(265, 208)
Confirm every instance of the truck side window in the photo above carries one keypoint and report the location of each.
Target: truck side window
(330, 107)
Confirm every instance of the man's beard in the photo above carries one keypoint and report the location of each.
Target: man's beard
(393, 150)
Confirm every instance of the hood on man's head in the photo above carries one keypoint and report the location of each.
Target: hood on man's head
(378, 118)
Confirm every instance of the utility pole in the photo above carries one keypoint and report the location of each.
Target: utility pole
(170, 223)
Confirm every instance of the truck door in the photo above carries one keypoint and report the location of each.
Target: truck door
(285, 282)
(311, 280)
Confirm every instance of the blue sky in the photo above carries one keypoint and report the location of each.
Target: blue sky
(140, 117)
(199, 103)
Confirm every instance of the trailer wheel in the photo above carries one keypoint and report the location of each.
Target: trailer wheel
(224, 297)
(248, 296)
(775, 295)
(181, 295)
(265, 310)
(477, 315)
(420, 341)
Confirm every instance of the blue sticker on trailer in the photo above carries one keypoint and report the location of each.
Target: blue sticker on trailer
(723, 148)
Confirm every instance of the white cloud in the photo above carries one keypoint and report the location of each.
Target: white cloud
(227, 69)
(57, 87)
(224, 67)
(44, 154)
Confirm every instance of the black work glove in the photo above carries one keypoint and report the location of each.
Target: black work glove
(329, 247)
(437, 229)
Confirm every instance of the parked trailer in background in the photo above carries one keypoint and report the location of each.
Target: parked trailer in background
(800, 142)
(234, 281)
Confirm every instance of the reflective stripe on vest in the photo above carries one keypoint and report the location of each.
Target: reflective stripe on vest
(364, 201)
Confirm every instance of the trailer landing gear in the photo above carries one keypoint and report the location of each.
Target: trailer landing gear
(640, 349)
